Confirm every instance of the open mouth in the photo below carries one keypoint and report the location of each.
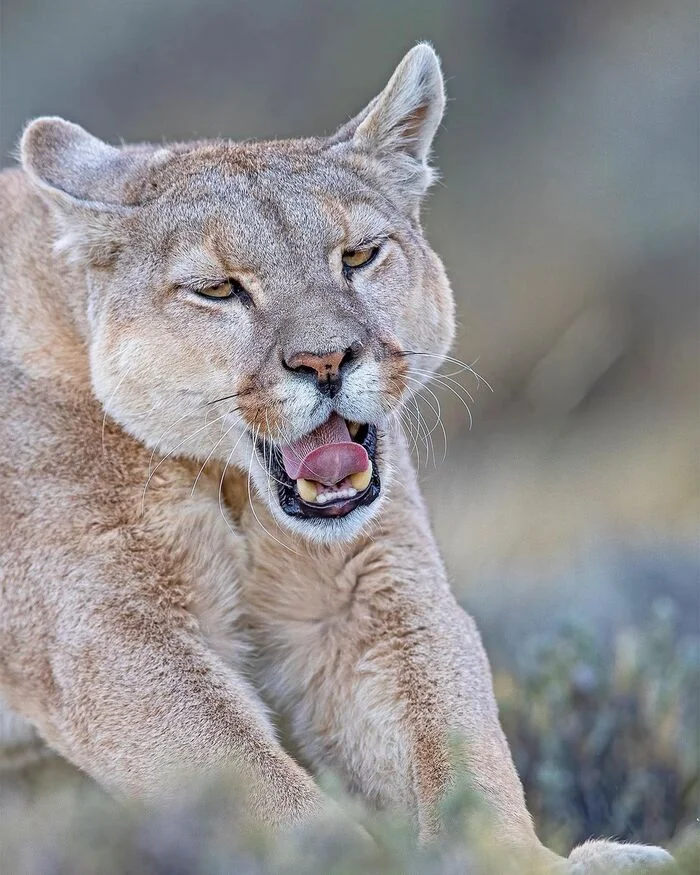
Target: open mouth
(327, 473)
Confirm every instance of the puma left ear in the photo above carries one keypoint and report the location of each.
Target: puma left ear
(407, 113)
(400, 123)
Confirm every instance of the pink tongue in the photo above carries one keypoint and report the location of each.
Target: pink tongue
(328, 454)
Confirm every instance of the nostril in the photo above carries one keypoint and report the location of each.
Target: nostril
(350, 354)
(299, 369)
(325, 367)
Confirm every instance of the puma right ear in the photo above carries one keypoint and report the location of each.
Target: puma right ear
(68, 163)
(85, 181)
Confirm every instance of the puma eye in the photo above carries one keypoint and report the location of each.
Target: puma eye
(353, 258)
(227, 289)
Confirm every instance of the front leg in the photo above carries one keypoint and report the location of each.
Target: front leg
(117, 679)
(378, 692)
(378, 670)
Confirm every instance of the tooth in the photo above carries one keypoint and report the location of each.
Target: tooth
(361, 481)
(353, 428)
(306, 489)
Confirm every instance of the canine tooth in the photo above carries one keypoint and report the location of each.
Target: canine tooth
(322, 498)
(306, 489)
(361, 480)
(353, 428)
(351, 492)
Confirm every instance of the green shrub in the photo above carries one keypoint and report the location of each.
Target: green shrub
(606, 739)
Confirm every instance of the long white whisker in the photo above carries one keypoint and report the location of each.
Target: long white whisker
(169, 428)
(174, 450)
(440, 378)
(268, 465)
(425, 434)
(407, 423)
(221, 486)
(204, 464)
(438, 416)
(252, 506)
(455, 361)
(436, 379)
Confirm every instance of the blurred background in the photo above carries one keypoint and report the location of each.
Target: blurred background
(567, 217)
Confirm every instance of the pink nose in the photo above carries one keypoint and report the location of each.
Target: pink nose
(326, 365)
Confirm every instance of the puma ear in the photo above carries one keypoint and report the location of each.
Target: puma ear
(406, 115)
(84, 181)
(401, 121)
(65, 160)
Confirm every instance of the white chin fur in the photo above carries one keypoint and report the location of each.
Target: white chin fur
(335, 530)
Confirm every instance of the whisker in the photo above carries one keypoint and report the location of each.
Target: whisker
(440, 378)
(423, 426)
(272, 499)
(227, 398)
(252, 506)
(438, 382)
(174, 449)
(268, 466)
(221, 486)
(169, 428)
(455, 361)
(407, 423)
(438, 415)
(204, 464)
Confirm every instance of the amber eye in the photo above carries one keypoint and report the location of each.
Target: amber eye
(221, 290)
(353, 258)
(227, 289)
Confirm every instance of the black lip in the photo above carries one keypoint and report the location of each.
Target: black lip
(293, 505)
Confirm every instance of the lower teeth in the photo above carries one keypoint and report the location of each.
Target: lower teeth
(307, 489)
(325, 497)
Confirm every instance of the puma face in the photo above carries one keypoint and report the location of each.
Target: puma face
(269, 305)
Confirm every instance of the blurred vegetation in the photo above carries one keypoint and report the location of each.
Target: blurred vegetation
(605, 742)
(606, 739)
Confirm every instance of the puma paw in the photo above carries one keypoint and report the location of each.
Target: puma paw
(607, 858)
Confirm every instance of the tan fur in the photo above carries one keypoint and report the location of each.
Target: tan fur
(152, 591)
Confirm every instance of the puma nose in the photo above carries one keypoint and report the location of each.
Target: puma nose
(325, 367)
